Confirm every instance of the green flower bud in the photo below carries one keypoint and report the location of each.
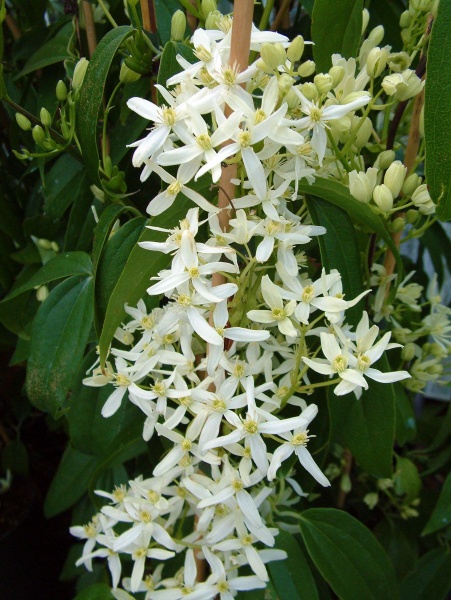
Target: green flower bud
(394, 177)
(421, 5)
(45, 116)
(273, 55)
(126, 75)
(411, 184)
(365, 19)
(45, 244)
(423, 201)
(213, 20)
(54, 247)
(376, 61)
(323, 82)
(345, 483)
(385, 159)
(306, 69)
(412, 216)
(61, 90)
(336, 73)
(178, 26)
(364, 133)
(405, 19)
(341, 125)
(292, 99)
(397, 225)
(23, 122)
(376, 35)
(371, 499)
(207, 7)
(383, 197)
(361, 185)
(437, 351)
(309, 90)
(285, 83)
(79, 73)
(398, 61)
(38, 135)
(408, 352)
(296, 49)
(42, 293)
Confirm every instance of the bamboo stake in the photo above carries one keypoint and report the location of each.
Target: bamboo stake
(90, 26)
(148, 15)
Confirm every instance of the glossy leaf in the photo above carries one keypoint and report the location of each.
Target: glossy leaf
(53, 51)
(292, 577)
(164, 9)
(60, 332)
(61, 185)
(437, 116)
(339, 250)
(336, 28)
(431, 579)
(441, 516)
(91, 97)
(347, 555)
(336, 193)
(406, 426)
(63, 265)
(103, 230)
(135, 276)
(367, 426)
(400, 549)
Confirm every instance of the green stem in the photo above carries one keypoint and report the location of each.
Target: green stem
(105, 121)
(108, 14)
(306, 388)
(190, 8)
(266, 15)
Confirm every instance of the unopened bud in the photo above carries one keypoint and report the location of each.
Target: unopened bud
(404, 19)
(292, 99)
(38, 135)
(42, 293)
(208, 6)
(364, 132)
(361, 185)
(397, 225)
(306, 69)
(341, 125)
(61, 90)
(285, 83)
(411, 184)
(273, 55)
(365, 19)
(345, 483)
(371, 499)
(376, 35)
(421, 5)
(126, 75)
(383, 197)
(309, 90)
(385, 159)
(403, 85)
(213, 20)
(323, 82)
(412, 216)
(23, 122)
(336, 73)
(376, 61)
(54, 246)
(423, 201)
(394, 177)
(45, 116)
(45, 244)
(79, 73)
(408, 352)
(296, 49)
(398, 61)
(178, 26)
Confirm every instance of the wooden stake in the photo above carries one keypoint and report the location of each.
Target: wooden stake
(90, 27)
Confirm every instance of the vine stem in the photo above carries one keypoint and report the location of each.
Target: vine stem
(280, 16)
(13, 27)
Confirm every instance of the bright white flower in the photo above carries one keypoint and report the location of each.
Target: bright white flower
(279, 314)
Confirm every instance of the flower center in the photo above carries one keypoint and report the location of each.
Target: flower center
(363, 362)
(174, 188)
(237, 485)
(260, 115)
(315, 114)
(300, 439)
(229, 76)
(246, 540)
(153, 496)
(218, 404)
(159, 388)
(223, 586)
(184, 300)
(251, 426)
(145, 516)
(119, 494)
(139, 553)
(203, 54)
(193, 272)
(187, 445)
(340, 363)
(279, 314)
(308, 294)
(169, 116)
(239, 370)
(122, 380)
(147, 322)
(245, 139)
(204, 141)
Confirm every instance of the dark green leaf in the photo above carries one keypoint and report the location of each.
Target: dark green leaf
(135, 277)
(103, 230)
(437, 116)
(431, 579)
(15, 458)
(406, 426)
(98, 591)
(60, 332)
(400, 549)
(336, 28)
(91, 96)
(81, 224)
(339, 250)
(338, 194)
(347, 555)
(10, 218)
(53, 51)
(292, 577)
(387, 13)
(61, 185)
(164, 9)
(441, 517)
(70, 482)
(63, 265)
(367, 426)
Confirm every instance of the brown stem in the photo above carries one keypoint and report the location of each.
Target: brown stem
(281, 15)
(15, 30)
(347, 456)
(4, 435)
(148, 15)
(190, 18)
(90, 27)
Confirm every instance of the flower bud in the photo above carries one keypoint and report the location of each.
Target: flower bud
(292, 99)
(376, 35)
(296, 49)
(403, 85)
(309, 90)
(353, 96)
(342, 125)
(371, 499)
(273, 55)
(394, 177)
(207, 7)
(421, 5)
(411, 184)
(23, 122)
(399, 61)
(361, 185)
(376, 61)
(126, 75)
(38, 135)
(306, 69)
(385, 159)
(408, 352)
(54, 246)
(336, 73)
(404, 19)
(42, 293)
(45, 244)
(345, 483)
(423, 201)
(323, 82)
(79, 73)
(411, 216)
(213, 19)
(61, 90)
(45, 116)
(365, 19)
(383, 197)
(285, 83)
(178, 26)
(397, 225)
(364, 133)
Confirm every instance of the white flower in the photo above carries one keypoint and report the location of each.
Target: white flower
(279, 314)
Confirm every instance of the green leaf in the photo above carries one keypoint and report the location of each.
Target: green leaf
(70, 482)
(367, 426)
(168, 62)
(91, 95)
(347, 555)
(80, 227)
(292, 577)
(400, 549)
(406, 478)
(431, 579)
(53, 51)
(15, 458)
(441, 516)
(135, 277)
(387, 13)
(103, 230)
(111, 264)
(98, 591)
(338, 194)
(164, 9)
(438, 244)
(336, 28)
(63, 265)
(61, 185)
(339, 250)
(59, 335)
(406, 426)
(437, 116)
